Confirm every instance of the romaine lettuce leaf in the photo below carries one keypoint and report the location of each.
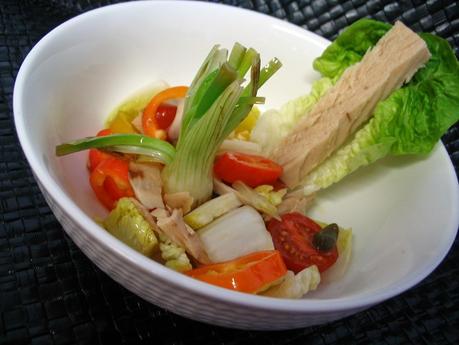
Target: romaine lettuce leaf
(126, 223)
(410, 121)
(349, 47)
(173, 255)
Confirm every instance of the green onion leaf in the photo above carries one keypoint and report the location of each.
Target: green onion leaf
(128, 143)
(236, 55)
(247, 61)
(216, 103)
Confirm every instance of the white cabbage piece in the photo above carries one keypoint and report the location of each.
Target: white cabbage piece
(211, 210)
(237, 233)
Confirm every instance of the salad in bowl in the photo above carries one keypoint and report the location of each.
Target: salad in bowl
(197, 178)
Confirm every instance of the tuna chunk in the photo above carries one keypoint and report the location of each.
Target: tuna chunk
(180, 233)
(350, 103)
(146, 182)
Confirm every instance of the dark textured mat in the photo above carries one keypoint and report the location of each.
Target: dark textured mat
(50, 293)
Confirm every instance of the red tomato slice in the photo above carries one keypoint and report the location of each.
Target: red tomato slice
(251, 273)
(110, 181)
(165, 115)
(96, 156)
(250, 169)
(293, 237)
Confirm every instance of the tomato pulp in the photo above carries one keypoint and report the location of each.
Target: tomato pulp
(293, 237)
(165, 115)
(150, 123)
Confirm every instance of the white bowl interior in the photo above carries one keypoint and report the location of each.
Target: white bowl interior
(400, 209)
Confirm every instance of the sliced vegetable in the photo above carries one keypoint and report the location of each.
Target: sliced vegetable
(274, 196)
(211, 210)
(250, 169)
(129, 109)
(110, 181)
(159, 150)
(293, 237)
(221, 188)
(215, 105)
(122, 124)
(296, 285)
(96, 156)
(165, 115)
(180, 200)
(174, 129)
(127, 224)
(242, 146)
(249, 196)
(150, 124)
(236, 233)
(243, 131)
(252, 273)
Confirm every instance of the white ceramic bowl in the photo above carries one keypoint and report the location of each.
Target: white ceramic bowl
(404, 211)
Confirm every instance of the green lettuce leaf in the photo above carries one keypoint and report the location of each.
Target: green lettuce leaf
(410, 121)
(349, 47)
(126, 223)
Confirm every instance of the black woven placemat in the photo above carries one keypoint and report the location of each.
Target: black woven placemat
(50, 293)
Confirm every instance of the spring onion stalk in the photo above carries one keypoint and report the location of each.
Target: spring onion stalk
(265, 73)
(159, 150)
(237, 54)
(247, 62)
(217, 101)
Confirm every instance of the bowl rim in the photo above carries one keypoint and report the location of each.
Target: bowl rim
(148, 266)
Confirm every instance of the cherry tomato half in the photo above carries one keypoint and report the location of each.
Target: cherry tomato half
(250, 169)
(250, 273)
(149, 116)
(293, 237)
(165, 115)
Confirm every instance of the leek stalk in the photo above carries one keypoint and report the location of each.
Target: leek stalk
(216, 103)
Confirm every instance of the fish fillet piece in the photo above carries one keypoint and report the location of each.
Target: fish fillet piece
(350, 103)
(146, 182)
